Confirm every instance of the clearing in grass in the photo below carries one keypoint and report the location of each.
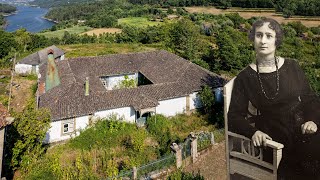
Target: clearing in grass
(101, 31)
(137, 21)
(60, 33)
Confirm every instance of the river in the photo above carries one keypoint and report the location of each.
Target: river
(29, 18)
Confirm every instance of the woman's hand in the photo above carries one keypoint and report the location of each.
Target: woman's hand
(259, 138)
(309, 127)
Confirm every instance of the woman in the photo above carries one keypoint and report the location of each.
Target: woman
(278, 88)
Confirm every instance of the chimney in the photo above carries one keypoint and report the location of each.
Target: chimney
(87, 87)
(52, 78)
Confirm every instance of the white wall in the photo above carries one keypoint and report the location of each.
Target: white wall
(23, 68)
(62, 57)
(81, 123)
(172, 107)
(55, 134)
(128, 113)
(195, 101)
(113, 81)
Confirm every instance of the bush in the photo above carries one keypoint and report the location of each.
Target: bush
(179, 175)
(159, 126)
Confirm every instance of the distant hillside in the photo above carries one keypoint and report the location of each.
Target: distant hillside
(6, 8)
(57, 3)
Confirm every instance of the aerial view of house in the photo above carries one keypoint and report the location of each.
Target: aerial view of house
(132, 86)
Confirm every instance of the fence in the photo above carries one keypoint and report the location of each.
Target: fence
(204, 140)
(144, 171)
(181, 153)
(122, 175)
(186, 148)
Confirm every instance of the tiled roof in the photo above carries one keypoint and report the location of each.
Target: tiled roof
(41, 56)
(171, 75)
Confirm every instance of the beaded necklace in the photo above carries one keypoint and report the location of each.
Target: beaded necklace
(276, 59)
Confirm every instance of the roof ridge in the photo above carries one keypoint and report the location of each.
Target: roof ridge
(71, 71)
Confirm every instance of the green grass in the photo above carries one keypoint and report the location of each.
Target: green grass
(72, 30)
(79, 50)
(137, 21)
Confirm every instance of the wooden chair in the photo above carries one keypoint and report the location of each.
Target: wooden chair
(241, 156)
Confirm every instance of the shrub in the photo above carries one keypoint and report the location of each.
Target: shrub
(159, 126)
(179, 175)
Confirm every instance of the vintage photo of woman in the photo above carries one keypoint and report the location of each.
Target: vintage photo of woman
(289, 110)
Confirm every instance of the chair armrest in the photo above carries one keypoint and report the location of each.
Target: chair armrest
(274, 145)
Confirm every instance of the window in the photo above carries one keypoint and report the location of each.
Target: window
(67, 127)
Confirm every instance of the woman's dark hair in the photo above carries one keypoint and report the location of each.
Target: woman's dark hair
(273, 24)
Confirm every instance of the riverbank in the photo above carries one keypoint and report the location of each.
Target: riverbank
(10, 14)
(51, 20)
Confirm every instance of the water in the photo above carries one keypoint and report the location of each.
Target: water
(29, 18)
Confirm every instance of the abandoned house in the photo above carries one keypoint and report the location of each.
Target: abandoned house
(31, 63)
(132, 86)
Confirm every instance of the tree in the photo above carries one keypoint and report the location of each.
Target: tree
(23, 38)
(31, 126)
(207, 98)
(183, 38)
(225, 3)
(7, 43)
(127, 83)
(289, 9)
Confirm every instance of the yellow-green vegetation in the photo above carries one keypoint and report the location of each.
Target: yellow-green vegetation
(60, 33)
(111, 146)
(77, 50)
(137, 21)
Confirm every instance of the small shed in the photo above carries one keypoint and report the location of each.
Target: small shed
(30, 64)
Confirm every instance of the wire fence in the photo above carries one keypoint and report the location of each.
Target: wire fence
(204, 140)
(145, 170)
(186, 148)
(122, 175)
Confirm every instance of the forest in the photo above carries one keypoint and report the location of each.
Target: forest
(287, 7)
(5, 9)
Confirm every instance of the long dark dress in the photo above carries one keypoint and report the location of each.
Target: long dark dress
(282, 117)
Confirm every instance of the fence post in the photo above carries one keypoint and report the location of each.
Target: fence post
(194, 148)
(212, 138)
(178, 152)
(134, 173)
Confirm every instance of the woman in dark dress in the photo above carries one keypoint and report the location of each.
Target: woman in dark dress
(288, 108)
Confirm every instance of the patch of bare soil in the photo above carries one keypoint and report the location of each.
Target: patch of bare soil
(309, 22)
(102, 30)
(211, 165)
(21, 93)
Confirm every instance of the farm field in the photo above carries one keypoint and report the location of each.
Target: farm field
(60, 33)
(78, 50)
(248, 13)
(101, 31)
(137, 21)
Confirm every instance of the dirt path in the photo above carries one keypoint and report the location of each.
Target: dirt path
(21, 92)
(211, 165)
